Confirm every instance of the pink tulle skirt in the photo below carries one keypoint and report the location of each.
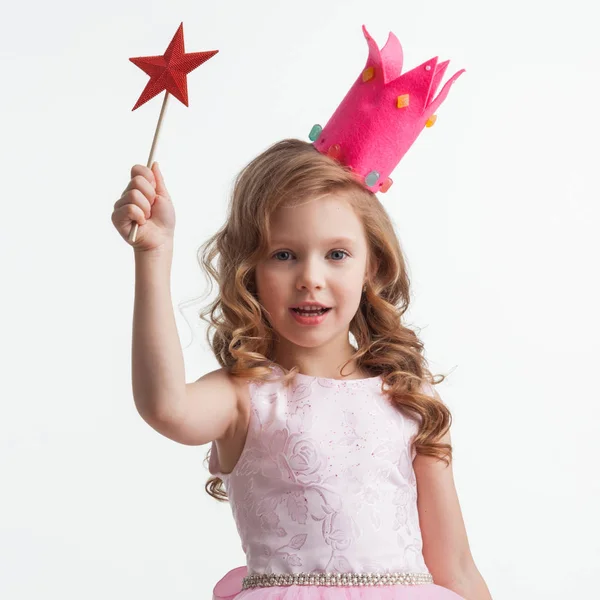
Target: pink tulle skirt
(230, 588)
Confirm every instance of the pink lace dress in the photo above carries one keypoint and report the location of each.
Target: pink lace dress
(324, 497)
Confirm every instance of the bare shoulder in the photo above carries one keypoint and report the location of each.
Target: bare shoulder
(209, 411)
(214, 382)
(221, 382)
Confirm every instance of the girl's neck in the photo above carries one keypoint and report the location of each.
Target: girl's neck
(321, 362)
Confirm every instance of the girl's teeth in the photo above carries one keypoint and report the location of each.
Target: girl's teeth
(310, 313)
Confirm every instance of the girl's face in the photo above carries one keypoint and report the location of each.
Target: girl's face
(318, 253)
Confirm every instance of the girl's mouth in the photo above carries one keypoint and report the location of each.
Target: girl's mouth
(310, 313)
(312, 317)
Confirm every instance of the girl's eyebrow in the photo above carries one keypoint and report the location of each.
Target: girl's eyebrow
(330, 242)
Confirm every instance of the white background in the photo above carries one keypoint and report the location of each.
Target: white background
(496, 206)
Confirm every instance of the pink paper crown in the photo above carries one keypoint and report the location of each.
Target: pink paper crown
(382, 114)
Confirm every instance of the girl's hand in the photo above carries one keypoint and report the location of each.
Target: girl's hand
(145, 201)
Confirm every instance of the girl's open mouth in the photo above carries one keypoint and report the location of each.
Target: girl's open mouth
(309, 317)
(310, 313)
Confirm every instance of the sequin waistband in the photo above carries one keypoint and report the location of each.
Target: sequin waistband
(354, 579)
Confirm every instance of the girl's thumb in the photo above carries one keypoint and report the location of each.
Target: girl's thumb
(161, 189)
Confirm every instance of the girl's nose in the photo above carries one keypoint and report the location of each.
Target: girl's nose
(309, 283)
(310, 276)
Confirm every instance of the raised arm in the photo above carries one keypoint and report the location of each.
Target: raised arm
(157, 367)
(192, 413)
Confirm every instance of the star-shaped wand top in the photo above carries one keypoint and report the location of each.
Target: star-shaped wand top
(169, 71)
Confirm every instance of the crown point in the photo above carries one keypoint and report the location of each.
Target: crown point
(315, 132)
(387, 184)
(335, 151)
(368, 74)
(432, 119)
(371, 178)
(403, 101)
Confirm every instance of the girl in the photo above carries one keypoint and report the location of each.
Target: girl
(323, 420)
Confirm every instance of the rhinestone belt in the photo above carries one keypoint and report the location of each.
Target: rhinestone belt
(269, 579)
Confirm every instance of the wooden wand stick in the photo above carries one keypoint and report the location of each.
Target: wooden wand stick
(134, 226)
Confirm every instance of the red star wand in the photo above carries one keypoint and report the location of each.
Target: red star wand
(167, 72)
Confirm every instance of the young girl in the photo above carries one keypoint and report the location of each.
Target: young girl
(323, 420)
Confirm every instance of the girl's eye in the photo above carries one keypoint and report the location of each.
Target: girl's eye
(341, 252)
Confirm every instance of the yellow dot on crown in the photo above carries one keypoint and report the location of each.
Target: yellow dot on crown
(368, 73)
(432, 119)
(403, 101)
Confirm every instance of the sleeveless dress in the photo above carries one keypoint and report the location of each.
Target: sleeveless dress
(325, 486)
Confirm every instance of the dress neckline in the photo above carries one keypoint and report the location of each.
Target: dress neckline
(330, 381)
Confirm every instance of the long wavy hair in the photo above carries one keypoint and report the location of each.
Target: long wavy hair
(239, 331)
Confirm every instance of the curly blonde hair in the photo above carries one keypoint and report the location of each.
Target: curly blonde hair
(239, 333)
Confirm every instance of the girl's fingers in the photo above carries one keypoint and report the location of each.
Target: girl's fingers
(161, 188)
(145, 172)
(135, 197)
(124, 215)
(139, 182)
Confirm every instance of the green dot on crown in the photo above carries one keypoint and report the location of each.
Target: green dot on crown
(372, 178)
(315, 132)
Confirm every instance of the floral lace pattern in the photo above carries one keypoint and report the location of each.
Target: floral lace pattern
(325, 482)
